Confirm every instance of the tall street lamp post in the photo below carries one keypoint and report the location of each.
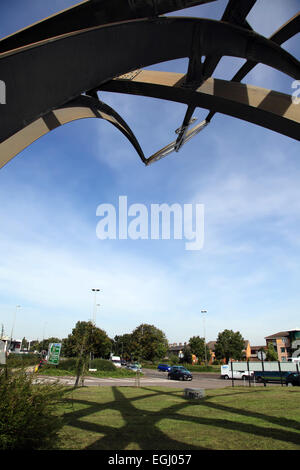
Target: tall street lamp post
(13, 325)
(95, 305)
(204, 312)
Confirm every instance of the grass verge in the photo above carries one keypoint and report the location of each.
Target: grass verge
(118, 373)
(159, 418)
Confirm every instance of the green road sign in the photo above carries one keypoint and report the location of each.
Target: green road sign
(54, 353)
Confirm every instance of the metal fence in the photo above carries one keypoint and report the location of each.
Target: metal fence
(282, 368)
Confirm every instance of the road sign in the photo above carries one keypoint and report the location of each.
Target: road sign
(261, 355)
(54, 353)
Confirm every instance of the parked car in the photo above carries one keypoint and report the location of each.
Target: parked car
(134, 367)
(179, 373)
(164, 367)
(293, 379)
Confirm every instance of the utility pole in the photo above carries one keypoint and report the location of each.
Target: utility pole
(204, 312)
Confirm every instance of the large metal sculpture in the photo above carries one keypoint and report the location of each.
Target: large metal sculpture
(53, 69)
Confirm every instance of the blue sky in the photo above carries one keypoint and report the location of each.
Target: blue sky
(247, 274)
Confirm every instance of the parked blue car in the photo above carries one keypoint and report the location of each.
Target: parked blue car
(164, 367)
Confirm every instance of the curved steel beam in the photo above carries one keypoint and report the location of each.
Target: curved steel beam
(265, 108)
(80, 108)
(283, 34)
(42, 77)
(91, 13)
(256, 105)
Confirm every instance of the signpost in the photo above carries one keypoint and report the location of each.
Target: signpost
(54, 353)
(261, 355)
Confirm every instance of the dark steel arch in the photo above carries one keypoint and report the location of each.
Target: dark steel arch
(90, 13)
(52, 63)
(266, 108)
(82, 107)
(50, 80)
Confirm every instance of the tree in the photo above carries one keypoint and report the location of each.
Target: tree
(122, 345)
(173, 359)
(34, 345)
(229, 345)
(187, 355)
(148, 342)
(44, 344)
(271, 354)
(197, 346)
(85, 339)
(24, 343)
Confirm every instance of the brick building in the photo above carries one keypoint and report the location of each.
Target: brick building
(284, 343)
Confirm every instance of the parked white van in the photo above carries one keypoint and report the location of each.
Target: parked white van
(116, 360)
(226, 373)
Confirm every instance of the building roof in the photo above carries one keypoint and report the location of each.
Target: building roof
(176, 346)
(278, 335)
(282, 333)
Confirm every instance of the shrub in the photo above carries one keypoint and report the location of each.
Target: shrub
(102, 364)
(27, 419)
(69, 364)
(22, 360)
(174, 359)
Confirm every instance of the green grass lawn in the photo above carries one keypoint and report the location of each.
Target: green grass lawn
(118, 373)
(159, 418)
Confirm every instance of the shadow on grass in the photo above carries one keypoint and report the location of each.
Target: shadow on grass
(141, 426)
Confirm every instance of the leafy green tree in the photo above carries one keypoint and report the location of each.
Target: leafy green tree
(44, 344)
(148, 342)
(197, 346)
(122, 345)
(24, 343)
(187, 355)
(271, 354)
(173, 359)
(86, 338)
(229, 345)
(34, 345)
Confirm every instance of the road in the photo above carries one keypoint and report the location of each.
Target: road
(151, 378)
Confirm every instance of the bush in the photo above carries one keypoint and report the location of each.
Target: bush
(69, 364)
(102, 364)
(22, 360)
(174, 359)
(27, 419)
